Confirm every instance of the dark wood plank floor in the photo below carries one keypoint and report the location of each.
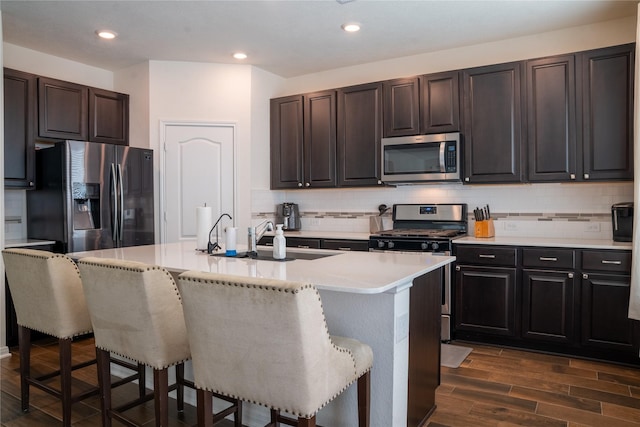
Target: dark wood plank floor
(501, 387)
(493, 387)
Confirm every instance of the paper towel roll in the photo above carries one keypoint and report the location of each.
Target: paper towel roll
(230, 244)
(204, 222)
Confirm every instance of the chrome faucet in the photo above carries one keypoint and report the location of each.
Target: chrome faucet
(255, 236)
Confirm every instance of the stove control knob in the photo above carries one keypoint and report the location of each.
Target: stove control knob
(380, 244)
(435, 246)
(390, 245)
(424, 246)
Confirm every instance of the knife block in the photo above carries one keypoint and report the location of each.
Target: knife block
(485, 228)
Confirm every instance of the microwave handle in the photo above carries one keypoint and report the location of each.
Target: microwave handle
(615, 220)
(443, 166)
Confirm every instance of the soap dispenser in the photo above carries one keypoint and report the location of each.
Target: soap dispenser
(279, 243)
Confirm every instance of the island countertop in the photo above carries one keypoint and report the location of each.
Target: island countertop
(354, 272)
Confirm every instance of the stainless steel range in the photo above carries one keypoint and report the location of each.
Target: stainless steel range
(426, 228)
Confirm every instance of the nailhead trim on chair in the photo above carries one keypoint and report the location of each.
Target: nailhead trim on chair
(45, 257)
(301, 287)
(140, 269)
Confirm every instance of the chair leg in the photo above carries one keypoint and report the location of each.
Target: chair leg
(274, 418)
(65, 379)
(161, 396)
(142, 380)
(237, 417)
(307, 422)
(204, 407)
(180, 386)
(24, 341)
(103, 359)
(364, 400)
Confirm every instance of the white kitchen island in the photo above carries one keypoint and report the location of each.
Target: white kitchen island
(383, 299)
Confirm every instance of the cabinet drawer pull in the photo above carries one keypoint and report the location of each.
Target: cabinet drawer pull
(604, 261)
(344, 248)
(546, 258)
(486, 256)
(303, 246)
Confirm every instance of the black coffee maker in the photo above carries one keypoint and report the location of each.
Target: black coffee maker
(289, 215)
(622, 218)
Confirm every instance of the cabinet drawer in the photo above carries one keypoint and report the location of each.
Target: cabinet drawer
(301, 242)
(345, 245)
(548, 258)
(615, 261)
(486, 255)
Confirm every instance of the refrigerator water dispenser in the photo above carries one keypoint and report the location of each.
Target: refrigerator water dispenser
(86, 206)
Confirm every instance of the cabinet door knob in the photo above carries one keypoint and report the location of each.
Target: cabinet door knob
(585, 276)
(457, 268)
(586, 176)
(307, 185)
(299, 184)
(379, 182)
(572, 176)
(31, 184)
(570, 275)
(466, 179)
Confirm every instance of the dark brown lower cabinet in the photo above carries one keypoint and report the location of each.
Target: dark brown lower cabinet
(485, 300)
(605, 303)
(560, 300)
(424, 346)
(548, 305)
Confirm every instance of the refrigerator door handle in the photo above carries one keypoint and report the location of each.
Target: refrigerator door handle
(121, 219)
(114, 204)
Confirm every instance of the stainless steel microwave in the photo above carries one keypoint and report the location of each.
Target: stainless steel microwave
(421, 158)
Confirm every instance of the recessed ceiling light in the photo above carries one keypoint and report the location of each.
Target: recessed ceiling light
(351, 27)
(240, 55)
(106, 34)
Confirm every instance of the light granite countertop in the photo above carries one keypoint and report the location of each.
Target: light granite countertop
(344, 271)
(546, 242)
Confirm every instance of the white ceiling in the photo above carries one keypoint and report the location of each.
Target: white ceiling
(286, 37)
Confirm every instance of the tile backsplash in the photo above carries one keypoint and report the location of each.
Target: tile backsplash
(572, 210)
(15, 220)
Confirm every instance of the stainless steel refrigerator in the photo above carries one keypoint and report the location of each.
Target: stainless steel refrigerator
(92, 196)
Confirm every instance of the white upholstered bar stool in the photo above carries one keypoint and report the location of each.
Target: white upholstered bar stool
(267, 342)
(136, 312)
(47, 294)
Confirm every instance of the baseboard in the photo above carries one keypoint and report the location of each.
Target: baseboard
(4, 352)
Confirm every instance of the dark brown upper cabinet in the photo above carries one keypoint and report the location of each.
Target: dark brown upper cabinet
(607, 113)
(62, 110)
(440, 102)
(108, 117)
(493, 123)
(401, 107)
(422, 105)
(303, 141)
(287, 139)
(320, 139)
(19, 128)
(551, 119)
(72, 111)
(359, 134)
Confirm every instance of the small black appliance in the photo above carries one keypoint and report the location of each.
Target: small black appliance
(288, 215)
(622, 218)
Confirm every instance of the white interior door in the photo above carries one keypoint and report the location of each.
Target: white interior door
(199, 168)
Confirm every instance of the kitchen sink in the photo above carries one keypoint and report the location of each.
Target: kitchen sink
(267, 255)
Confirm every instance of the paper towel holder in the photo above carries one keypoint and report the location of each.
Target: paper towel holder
(215, 245)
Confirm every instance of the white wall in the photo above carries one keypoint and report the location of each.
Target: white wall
(574, 39)
(192, 91)
(42, 64)
(135, 82)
